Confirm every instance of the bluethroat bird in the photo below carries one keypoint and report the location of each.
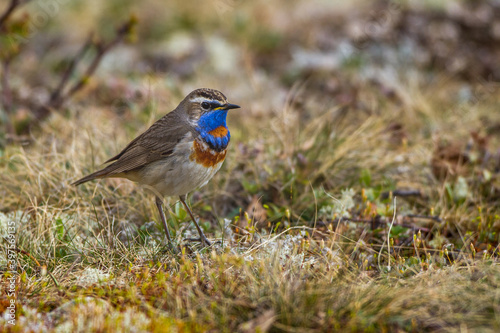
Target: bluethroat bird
(179, 153)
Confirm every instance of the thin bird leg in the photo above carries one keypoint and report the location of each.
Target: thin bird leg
(202, 235)
(162, 215)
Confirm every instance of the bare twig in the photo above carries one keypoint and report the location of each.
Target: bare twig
(101, 51)
(26, 253)
(428, 217)
(388, 239)
(6, 93)
(59, 96)
(10, 9)
(401, 193)
(6, 96)
(55, 97)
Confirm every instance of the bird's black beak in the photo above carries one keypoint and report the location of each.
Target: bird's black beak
(229, 106)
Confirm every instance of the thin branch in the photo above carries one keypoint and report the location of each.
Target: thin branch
(29, 255)
(56, 94)
(375, 222)
(428, 217)
(58, 97)
(6, 92)
(10, 9)
(6, 97)
(38, 264)
(402, 193)
(102, 49)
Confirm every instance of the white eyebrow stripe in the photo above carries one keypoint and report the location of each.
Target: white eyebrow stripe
(197, 99)
(203, 99)
(200, 99)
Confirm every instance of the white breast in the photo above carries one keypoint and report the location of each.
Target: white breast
(177, 174)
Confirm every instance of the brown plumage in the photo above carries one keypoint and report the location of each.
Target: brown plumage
(155, 143)
(158, 141)
(173, 156)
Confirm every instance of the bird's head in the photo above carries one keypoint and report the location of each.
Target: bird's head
(206, 103)
(207, 111)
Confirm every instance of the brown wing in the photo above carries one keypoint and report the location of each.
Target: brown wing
(155, 143)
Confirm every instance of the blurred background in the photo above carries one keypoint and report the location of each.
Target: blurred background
(257, 52)
(345, 106)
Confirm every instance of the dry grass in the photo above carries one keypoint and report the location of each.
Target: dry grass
(333, 144)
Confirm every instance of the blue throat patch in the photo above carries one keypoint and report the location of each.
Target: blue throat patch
(212, 121)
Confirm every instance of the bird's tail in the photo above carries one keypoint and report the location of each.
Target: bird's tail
(96, 175)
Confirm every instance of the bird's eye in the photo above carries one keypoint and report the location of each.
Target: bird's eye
(205, 105)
